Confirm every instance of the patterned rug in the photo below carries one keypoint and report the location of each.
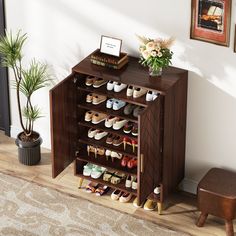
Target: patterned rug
(27, 209)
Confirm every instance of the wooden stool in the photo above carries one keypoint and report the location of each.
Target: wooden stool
(217, 196)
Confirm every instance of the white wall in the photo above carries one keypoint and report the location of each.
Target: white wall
(62, 32)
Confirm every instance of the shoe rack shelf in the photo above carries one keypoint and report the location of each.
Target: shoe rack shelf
(102, 108)
(111, 94)
(161, 126)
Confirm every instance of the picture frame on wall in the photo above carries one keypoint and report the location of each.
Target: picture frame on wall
(210, 21)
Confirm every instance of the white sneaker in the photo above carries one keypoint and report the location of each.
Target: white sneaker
(119, 87)
(129, 181)
(119, 124)
(130, 91)
(110, 121)
(110, 85)
(139, 92)
(100, 134)
(151, 96)
(92, 132)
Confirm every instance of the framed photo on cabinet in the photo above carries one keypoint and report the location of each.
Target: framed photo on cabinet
(210, 21)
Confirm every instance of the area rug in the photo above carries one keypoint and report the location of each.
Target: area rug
(27, 209)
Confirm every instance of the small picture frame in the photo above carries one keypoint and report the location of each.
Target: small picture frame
(210, 21)
(110, 45)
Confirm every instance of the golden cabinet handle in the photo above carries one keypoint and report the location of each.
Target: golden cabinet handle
(141, 162)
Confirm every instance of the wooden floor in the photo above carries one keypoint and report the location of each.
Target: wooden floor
(180, 214)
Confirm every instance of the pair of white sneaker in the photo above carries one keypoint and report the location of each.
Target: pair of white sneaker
(151, 95)
(135, 92)
(116, 86)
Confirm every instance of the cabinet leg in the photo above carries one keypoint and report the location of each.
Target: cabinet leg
(160, 207)
(201, 220)
(80, 182)
(229, 228)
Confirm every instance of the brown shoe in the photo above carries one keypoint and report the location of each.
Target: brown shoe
(110, 138)
(97, 99)
(135, 130)
(117, 141)
(98, 118)
(99, 82)
(88, 115)
(89, 97)
(90, 80)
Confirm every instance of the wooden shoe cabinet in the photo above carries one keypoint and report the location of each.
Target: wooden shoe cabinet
(162, 126)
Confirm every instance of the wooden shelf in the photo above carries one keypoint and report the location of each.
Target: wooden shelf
(101, 161)
(120, 186)
(102, 108)
(102, 143)
(101, 126)
(111, 94)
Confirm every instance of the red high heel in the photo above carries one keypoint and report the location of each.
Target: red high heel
(132, 163)
(125, 161)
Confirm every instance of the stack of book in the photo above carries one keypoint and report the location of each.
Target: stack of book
(109, 61)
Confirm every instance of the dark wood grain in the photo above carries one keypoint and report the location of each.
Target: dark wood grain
(63, 124)
(150, 149)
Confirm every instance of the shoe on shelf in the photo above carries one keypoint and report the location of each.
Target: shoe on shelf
(124, 161)
(117, 141)
(119, 87)
(88, 115)
(127, 140)
(128, 182)
(130, 91)
(128, 127)
(151, 95)
(97, 99)
(125, 197)
(129, 109)
(98, 118)
(110, 102)
(119, 123)
(132, 163)
(99, 82)
(150, 205)
(108, 154)
(157, 190)
(100, 134)
(110, 120)
(135, 203)
(89, 97)
(116, 194)
(117, 177)
(91, 187)
(110, 85)
(137, 111)
(134, 184)
(90, 80)
(101, 190)
(97, 171)
(99, 151)
(107, 175)
(139, 92)
(88, 169)
(134, 131)
(118, 104)
(110, 138)
(92, 132)
(91, 149)
(115, 155)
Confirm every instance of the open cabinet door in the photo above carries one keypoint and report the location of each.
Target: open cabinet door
(149, 154)
(63, 124)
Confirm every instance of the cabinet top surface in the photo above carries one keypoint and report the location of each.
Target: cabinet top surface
(133, 73)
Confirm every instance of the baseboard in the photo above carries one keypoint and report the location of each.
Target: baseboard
(188, 185)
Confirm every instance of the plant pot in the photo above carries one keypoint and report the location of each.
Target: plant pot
(157, 72)
(29, 152)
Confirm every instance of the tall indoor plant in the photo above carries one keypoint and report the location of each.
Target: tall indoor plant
(26, 82)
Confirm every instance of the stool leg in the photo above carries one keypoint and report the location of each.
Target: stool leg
(201, 220)
(229, 228)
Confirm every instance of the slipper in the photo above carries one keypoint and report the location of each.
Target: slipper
(88, 169)
(91, 187)
(101, 190)
(107, 175)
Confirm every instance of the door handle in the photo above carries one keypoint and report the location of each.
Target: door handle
(141, 163)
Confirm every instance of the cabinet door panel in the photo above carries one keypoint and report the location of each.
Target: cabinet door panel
(63, 124)
(149, 154)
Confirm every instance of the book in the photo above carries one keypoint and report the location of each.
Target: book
(113, 66)
(113, 60)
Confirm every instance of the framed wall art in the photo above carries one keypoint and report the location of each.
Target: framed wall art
(210, 21)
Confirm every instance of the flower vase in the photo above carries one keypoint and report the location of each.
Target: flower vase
(154, 73)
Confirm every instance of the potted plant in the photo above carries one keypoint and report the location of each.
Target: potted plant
(155, 53)
(26, 82)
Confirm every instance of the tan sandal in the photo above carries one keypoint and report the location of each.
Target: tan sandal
(107, 176)
(117, 177)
